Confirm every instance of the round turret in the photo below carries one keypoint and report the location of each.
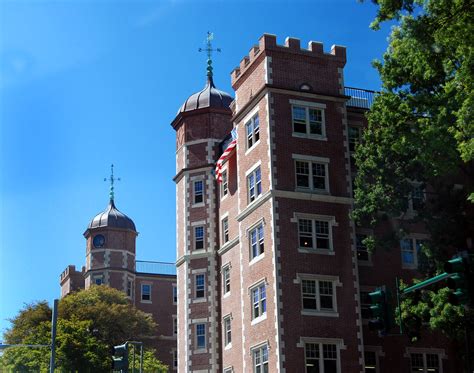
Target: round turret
(111, 217)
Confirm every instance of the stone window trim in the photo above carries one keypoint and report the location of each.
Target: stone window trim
(130, 286)
(142, 284)
(331, 220)
(331, 341)
(260, 242)
(174, 352)
(426, 351)
(262, 313)
(199, 237)
(198, 196)
(175, 325)
(315, 277)
(227, 338)
(378, 350)
(365, 232)
(251, 115)
(197, 327)
(199, 288)
(413, 237)
(252, 132)
(252, 172)
(225, 237)
(307, 106)
(352, 140)
(258, 347)
(312, 160)
(225, 270)
(98, 279)
(224, 185)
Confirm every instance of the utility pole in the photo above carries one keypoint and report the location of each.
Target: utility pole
(53, 336)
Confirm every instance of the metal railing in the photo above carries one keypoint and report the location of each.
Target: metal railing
(156, 268)
(361, 98)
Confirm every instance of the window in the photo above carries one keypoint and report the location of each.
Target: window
(198, 238)
(365, 304)
(225, 230)
(175, 326)
(314, 234)
(200, 336)
(226, 279)
(311, 175)
(362, 251)
(253, 131)
(175, 294)
(308, 121)
(198, 191)
(228, 370)
(224, 184)
(259, 301)
(256, 241)
(175, 359)
(146, 292)
(410, 248)
(98, 280)
(321, 358)
(227, 331)
(260, 359)
(417, 197)
(370, 358)
(354, 137)
(200, 288)
(129, 288)
(424, 363)
(254, 183)
(317, 295)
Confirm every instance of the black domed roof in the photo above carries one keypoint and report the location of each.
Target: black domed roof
(210, 96)
(111, 217)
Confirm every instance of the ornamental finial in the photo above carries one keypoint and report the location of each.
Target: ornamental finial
(112, 179)
(209, 50)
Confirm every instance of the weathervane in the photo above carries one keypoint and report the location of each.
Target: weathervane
(209, 50)
(112, 179)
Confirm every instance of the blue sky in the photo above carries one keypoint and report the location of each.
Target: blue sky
(84, 84)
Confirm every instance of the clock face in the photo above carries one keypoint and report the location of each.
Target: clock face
(99, 240)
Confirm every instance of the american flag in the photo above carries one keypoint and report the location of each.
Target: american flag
(227, 152)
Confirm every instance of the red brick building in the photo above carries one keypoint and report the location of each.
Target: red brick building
(110, 260)
(272, 274)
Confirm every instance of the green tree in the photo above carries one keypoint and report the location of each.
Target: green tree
(420, 129)
(90, 323)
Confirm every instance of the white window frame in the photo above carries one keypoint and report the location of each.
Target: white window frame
(377, 350)
(199, 348)
(331, 341)
(331, 222)
(426, 351)
(175, 325)
(142, 293)
(253, 173)
(195, 229)
(196, 289)
(323, 162)
(226, 279)
(334, 280)
(227, 331)
(413, 238)
(252, 138)
(201, 203)
(415, 185)
(261, 302)
(261, 365)
(321, 358)
(224, 185)
(260, 241)
(307, 106)
(225, 230)
(129, 290)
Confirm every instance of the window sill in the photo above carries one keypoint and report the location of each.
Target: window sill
(199, 300)
(311, 137)
(312, 191)
(200, 204)
(305, 250)
(145, 301)
(228, 346)
(226, 295)
(365, 263)
(410, 267)
(259, 319)
(320, 313)
(199, 251)
(252, 147)
(200, 351)
(225, 195)
(257, 259)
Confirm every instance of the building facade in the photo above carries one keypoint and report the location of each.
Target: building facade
(111, 260)
(272, 275)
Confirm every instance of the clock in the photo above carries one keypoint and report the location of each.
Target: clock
(99, 240)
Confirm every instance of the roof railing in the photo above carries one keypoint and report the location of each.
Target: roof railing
(155, 268)
(360, 98)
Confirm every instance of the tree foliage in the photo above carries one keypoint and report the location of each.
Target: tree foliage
(90, 323)
(420, 129)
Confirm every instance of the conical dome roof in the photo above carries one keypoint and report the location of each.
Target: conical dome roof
(210, 96)
(111, 217)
